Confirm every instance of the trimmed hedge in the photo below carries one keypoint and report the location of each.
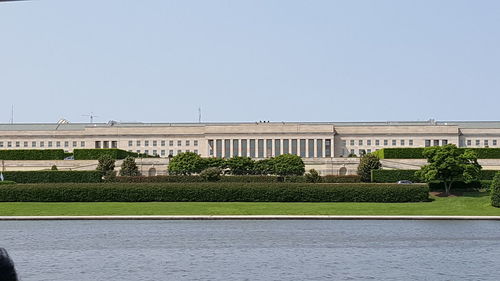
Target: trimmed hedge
(7, 182)
(32, 154)
(460, 185)
(94, 154)
(341, 179)
(237, 178)
(416, 153)
(214, 192)
(495, 191)
(396, 175)
(52, 176)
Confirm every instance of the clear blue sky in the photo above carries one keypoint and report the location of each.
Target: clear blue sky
(158, 61)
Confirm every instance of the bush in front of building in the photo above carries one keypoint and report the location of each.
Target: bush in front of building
(186, 163)
(129, 168)
(211, 174)
(287, 165)
(495, 191)
(341, 179)
(367, 163)
(49, 176)
(95, 154)
(214, 192)
(32, 154)
(397, 175)
(417, 152)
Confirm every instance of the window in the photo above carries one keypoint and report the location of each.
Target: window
(328, 148)
(114, 144)
(227, 148)
(171, 152)
(386, 142)
(469, 142)
(146, 151)
(427, 143)
(368, 151)
(260, 148)
(162, 143)
(33, 144)
(352, 152)
(402, 142)
(25, 144)
(196, 151)
(195, 143)
(66, 143)
(352, 142)
(162, 153)
(294, 146)
(319, 148)
(18, 144)
(444, 142)
(105, 144)
(252, 148)
(344, 142)
(369, 142)
(179, 151)
(360, 142)
(485, 142)
(277, 147)
(138, 151)
(436, 142)
(50, 144)
(138, 143)
(130, 143)
(410, 142)
(179, 143)
(286, 146)
(188, 143)
(74, 143)
(236, 147)
(42, 144)
(377, 142)
(82, 144)
(244, 148)
(269, 148)
(146, 143)
(310, 148)
(218, 148)
(1, 143)
(478, 142)
(494, 142)
(171, 143)
(302, 148)
(9, 144)
(393, 142)
(155, 143)
(155, 152)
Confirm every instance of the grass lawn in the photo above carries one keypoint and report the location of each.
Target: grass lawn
(468, 204)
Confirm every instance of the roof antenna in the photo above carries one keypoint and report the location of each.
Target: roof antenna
(91, 116)
(12, 115)
(199, 114)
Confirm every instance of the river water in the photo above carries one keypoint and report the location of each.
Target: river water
(253, 250)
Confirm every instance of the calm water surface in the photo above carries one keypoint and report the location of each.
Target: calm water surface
(253, 250)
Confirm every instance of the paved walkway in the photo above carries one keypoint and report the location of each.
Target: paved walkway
(243, 217)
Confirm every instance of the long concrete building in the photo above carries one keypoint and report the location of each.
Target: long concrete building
(315, 142)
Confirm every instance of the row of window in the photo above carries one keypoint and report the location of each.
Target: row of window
(42, 143)
(485, 142)
(270, 147)
(377, 142)
(163, 153)
(435, 142)
(162, 143)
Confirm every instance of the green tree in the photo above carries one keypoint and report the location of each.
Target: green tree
(495, 191)
(186, 163)
(106, 165)
(448, 165)
(313, 176)
(129, 167)
(214, 162)
(288, 165)
(211, 174)
(263, 167)
(240, 165)
(367, 163)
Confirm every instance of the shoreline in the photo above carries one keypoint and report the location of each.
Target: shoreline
(244, 217)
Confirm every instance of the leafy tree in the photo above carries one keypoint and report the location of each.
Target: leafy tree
(263, 167)
(288, 165)
(186, 163)
(129, 168)
(214, 162)
(367, 163)
(448, 165)
(313, 176)
(106, 165)
(240, 165)
(211, 174)
(495, 191)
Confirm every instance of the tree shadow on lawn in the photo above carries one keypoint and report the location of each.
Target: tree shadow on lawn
(461, 193)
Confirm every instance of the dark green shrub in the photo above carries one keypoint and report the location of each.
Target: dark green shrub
(341, 179)
(211, 174)
(394, 175)
(106, 166)
(462, 186)
(495, 191)
(367, 163)
(129, 168)
(312, 176)
(94, 154)
(214, 192)
(240, 165)
(417, 153)
(170, 178)
(52, 176)
(53, 168)
(7, 182)
(186, 163)
(287, 165)
(32, 154)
